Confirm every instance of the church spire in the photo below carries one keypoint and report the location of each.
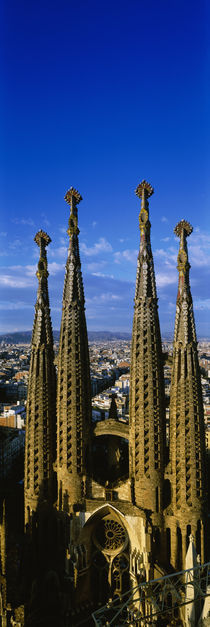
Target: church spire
(145, 279)
(187, 443)
(41, 404)
(74, 391)
(146, 386)
(184, 323)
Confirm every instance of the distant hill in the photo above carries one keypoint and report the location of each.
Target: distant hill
(107, 335)
(21, 337)
(24, 337)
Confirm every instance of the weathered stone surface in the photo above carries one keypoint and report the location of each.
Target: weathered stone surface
(73, 389)
(187, 442)
(111, 427)
(41, 399)
(105, 534)
(147, 409)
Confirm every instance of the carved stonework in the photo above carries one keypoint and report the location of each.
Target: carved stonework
(187, 444)
(146, 386)
(73, 391)
(41, 404)
(106, 532)
(73, 198)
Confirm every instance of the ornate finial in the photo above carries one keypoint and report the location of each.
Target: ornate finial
(42, 240)
(144, 191)
(41, 236)
(183, 226)
(72, 197)
(183, 229)
(144, 188)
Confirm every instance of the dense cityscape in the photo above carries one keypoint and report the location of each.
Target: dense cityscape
(110, 375)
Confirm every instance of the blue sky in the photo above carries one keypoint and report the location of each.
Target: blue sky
(100, 95)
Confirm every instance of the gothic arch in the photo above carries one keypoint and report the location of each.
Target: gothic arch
(106, 536)
(107, 508)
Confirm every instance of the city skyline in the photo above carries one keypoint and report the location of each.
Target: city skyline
(101, 108)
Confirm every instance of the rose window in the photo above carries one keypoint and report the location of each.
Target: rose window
(110, 535)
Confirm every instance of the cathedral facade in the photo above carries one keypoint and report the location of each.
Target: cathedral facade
(93, 534)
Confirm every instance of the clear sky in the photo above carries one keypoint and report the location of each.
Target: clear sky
(99, 95)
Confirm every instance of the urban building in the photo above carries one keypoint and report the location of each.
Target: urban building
(12, 441)
(13, 416)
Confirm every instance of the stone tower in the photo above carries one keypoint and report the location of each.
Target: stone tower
(187, 442)
(41, 399)
(73, 389)
(147, 408)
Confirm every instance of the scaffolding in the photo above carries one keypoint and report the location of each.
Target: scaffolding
(175, 599)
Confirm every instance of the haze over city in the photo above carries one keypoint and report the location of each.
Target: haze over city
(100, 96)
